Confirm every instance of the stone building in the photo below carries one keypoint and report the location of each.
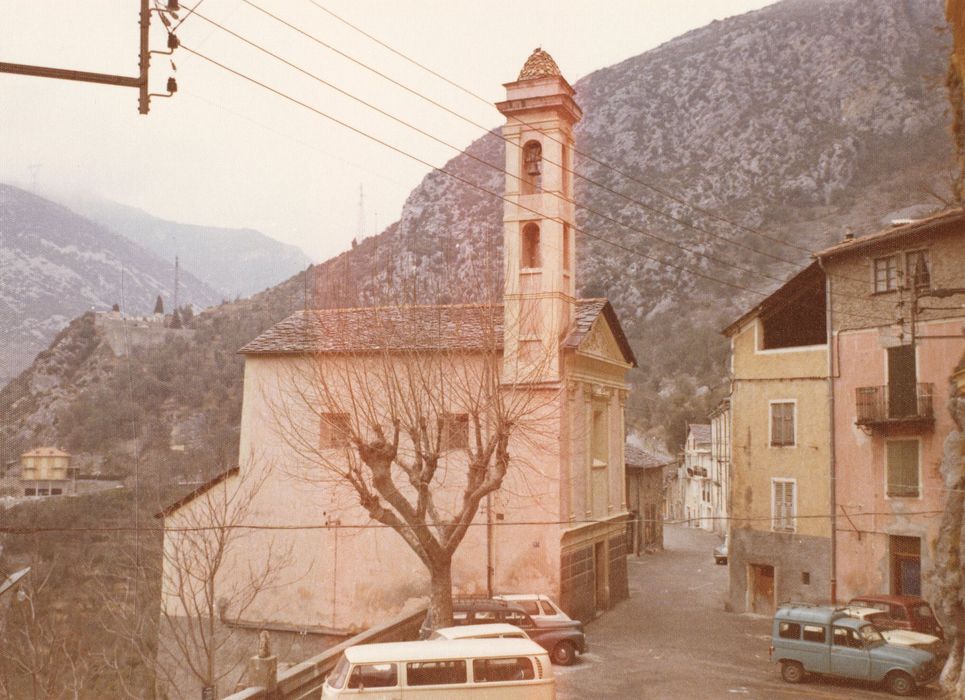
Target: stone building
(558, 524)
(696, 483)
(720, 431)
(46, 471)
(646, 474)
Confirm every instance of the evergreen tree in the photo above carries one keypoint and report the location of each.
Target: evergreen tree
(159, 305)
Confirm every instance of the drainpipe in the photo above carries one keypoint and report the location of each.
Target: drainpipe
(832, 472)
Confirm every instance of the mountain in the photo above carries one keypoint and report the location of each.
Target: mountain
(771, 132)
(55, 265)
(235, 262)
(792, 122)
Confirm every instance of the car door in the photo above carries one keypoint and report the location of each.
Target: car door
(849, 658)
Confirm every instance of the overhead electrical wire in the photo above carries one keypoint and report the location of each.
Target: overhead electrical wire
(490, 165)
(607, 188)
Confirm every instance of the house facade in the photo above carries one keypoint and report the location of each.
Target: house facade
(558, 525)
(46, 471)
(720, 430)
(646, 499)
(780, 532)
(897, 312)
(695, 480)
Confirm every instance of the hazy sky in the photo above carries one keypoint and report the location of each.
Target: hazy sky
(226, 152)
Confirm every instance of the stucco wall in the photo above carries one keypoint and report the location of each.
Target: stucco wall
(863, 564)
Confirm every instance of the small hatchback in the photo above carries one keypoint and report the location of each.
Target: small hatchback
(827, 641)
(905, 612)
(536, 605)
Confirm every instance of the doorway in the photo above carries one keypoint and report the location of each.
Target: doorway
(761, 588)
(905, 565)
(599, 570)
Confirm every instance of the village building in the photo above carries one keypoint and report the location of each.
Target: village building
(646, 479)
(558, 525)
(780, 531)
(46, 471)
(720, 430)
(896, 313)
(694, 478)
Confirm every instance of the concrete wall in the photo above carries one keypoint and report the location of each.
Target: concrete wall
(792, 555)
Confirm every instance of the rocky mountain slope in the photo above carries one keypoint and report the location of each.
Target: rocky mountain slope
(235, 262)
(55, 265)
(786, 125)
(792, 122)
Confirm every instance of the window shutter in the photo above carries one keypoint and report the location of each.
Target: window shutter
(783, 505)
(903, 468)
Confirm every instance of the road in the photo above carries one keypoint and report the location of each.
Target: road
(673, 638)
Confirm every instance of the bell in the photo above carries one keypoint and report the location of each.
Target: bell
(172, 85)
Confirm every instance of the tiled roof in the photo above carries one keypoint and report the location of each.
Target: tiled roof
(190, 496)
(449, 327)
(45, 452)
(539, 65)
(942, 218)
(700, 432)
(637, 458)
(455, 327)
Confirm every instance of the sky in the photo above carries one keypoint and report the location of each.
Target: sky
(226, 152)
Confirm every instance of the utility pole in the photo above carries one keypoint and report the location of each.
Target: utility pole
(144, 63)
(177, 280)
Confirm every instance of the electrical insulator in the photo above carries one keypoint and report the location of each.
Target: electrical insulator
(174, 5)
(172, 85)
(173, 41)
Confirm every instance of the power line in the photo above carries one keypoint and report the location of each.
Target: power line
(587, 156)
(490, 165)
(497, 134)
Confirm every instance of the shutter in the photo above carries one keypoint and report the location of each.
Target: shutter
(783, 505)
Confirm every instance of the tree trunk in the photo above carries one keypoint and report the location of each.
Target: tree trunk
(947, 577)
(440, 603)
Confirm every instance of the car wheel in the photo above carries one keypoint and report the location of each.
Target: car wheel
(792, 671)
(900, 683)
(563, 654)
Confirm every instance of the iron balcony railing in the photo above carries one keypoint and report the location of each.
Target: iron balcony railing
(878, 405)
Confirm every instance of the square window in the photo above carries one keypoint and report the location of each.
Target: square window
(782, 424)
(334, 431)
(886, 273)
(454, 431)
(902, 456)
(814, 633)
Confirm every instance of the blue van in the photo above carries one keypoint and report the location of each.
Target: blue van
(827, 641)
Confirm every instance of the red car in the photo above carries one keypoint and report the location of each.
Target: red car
(905, 612)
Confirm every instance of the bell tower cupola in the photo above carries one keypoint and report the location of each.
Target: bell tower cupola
(538, 219)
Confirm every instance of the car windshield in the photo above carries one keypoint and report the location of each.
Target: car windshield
(924, 610)
(871, 636)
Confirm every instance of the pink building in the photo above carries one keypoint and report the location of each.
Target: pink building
(896, 314)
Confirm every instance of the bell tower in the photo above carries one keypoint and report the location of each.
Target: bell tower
(538, 219)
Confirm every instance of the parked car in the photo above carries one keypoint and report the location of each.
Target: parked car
(536, 605)
(498, 630)
(826, 640)
(465, 668)
(907, 612)
(562, 639)
(720, 553)
(905, 638)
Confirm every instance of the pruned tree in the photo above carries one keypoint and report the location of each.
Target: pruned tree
(411, 413)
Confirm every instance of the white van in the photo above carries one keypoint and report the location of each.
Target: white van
(476, 668)
(496, 630)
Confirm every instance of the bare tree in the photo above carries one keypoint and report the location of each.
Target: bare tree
(40, 653)
(195, 638)
(411, 412)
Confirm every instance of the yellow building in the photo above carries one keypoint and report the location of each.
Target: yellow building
(780, 533)
(46, 471)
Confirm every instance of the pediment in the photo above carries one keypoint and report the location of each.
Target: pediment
(601, 343)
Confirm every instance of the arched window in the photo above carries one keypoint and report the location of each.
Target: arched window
(532, 177)
(530, 253)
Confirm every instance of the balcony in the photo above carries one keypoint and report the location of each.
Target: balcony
(881, 406)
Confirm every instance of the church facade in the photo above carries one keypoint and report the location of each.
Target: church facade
(557, 525)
